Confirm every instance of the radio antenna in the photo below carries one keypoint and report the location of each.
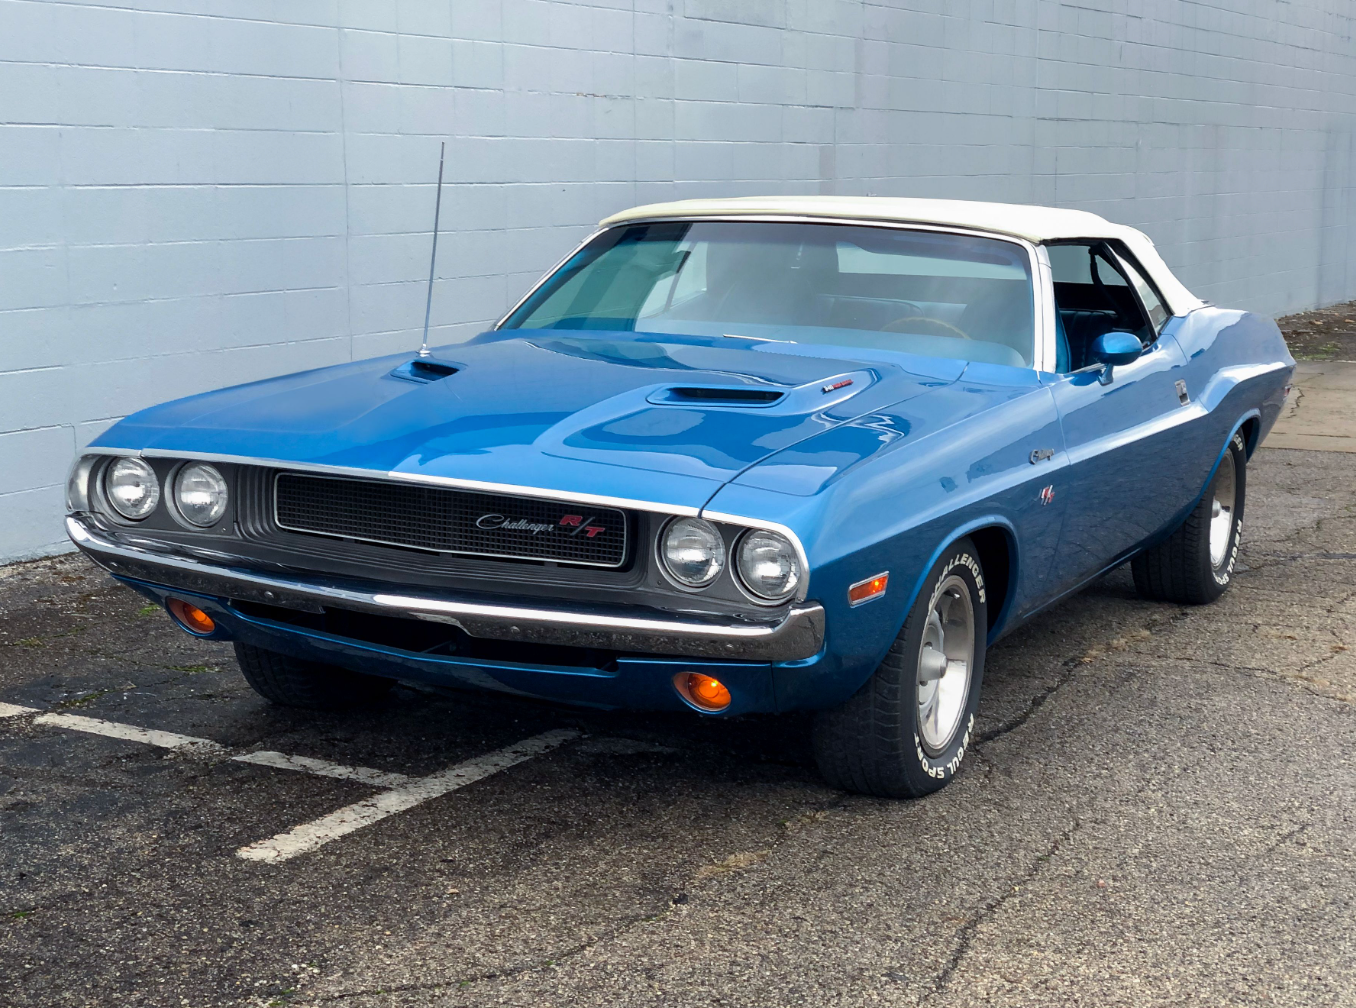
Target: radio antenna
(433, 258)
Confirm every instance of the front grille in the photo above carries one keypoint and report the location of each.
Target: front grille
(444, 520)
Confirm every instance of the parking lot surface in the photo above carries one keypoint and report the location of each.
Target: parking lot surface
(1161, 809)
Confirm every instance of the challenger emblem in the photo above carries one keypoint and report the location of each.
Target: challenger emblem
(572, 524)
(1047, 495)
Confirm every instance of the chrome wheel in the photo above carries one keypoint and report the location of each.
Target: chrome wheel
(1224, 491)
(945, 659)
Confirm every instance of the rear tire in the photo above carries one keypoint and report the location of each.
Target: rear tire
(1195, 564)
(292, 682)
(904, 733)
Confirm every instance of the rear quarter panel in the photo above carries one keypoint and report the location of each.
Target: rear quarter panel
(1237, 368)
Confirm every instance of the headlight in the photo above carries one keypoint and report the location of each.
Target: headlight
(132, 488)
(693, 551)
(768, 564)
(200, 492)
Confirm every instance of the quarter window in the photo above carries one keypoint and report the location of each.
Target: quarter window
(1153, 304)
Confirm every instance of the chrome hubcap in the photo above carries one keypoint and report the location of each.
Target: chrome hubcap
(945, 659)
(1224, 493)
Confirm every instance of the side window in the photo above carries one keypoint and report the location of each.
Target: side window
(1153, 304)
(1092, 297)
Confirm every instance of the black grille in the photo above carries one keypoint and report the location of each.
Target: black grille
(450, 521)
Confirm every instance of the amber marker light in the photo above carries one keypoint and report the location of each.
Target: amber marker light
(191, 618)
(702, 692)
(871, 588)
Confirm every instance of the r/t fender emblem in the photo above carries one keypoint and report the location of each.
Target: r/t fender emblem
(1047, 495)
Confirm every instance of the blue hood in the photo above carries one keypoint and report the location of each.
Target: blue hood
(577, 412)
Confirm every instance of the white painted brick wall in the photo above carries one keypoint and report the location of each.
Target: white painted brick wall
(200, 192)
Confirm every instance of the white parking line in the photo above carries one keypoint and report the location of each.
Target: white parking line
(112, 729)
(399, 792)
(324, 768)
(311, 835)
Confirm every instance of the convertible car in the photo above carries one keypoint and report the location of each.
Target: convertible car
(764, 454)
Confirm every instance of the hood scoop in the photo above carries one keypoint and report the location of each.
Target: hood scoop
(424, 370)
(716, 395)
(808, 398)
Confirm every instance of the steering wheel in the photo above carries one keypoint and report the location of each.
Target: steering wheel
(921, 325)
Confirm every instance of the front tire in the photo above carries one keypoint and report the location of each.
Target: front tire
(905, 733)
(1195, 564)
(292, 682)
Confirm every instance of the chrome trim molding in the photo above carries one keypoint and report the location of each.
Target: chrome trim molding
(797, 635)
(546, 276)
(511, 489)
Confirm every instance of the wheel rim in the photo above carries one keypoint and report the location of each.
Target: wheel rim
(1224, 492)
(945, 659)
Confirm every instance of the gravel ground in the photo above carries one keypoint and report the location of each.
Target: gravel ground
(1161, 809)
(1323, 334)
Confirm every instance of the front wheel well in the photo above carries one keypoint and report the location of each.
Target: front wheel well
(1249, 430)
(995, 548)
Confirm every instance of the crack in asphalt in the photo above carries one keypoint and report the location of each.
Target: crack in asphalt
(1069, 669)
(502, 974)
(965, 937)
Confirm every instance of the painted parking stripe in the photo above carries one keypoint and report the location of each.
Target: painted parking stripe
(309, 836)
(131, 733)
(14, 710)
(206, 747)
(324, 768)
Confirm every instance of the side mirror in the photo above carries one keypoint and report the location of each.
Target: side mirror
(1113, 348)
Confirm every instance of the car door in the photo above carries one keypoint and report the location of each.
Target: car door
(1121, 484)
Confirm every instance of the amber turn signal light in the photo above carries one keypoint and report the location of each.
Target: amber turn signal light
(701, 691)
(191, 618)
(871, 588)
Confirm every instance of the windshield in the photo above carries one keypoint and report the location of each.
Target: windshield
(943, 295)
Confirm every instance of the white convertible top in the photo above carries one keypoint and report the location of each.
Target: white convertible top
(1034, 223)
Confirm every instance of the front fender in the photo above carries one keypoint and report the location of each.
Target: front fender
(892, 493)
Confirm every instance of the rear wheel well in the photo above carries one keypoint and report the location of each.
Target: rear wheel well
(994, 546)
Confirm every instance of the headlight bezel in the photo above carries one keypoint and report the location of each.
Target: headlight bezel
(797, 566)
(661, 550)
(173, 485)
(156, 495)
(80, 489)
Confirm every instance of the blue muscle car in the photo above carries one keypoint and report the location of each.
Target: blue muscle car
(768, 454)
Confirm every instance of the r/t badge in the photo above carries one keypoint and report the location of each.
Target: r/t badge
(1048, 494)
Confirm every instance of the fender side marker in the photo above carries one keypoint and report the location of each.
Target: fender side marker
(871, 588)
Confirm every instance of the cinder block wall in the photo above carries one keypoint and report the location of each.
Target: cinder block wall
(200, 192)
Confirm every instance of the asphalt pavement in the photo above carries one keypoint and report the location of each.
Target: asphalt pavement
(1160, 810)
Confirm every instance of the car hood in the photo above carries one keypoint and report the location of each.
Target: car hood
(642, 417)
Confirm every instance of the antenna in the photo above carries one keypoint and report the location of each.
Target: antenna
(432, 259)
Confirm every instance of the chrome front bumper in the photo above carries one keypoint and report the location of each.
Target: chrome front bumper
(798, 634)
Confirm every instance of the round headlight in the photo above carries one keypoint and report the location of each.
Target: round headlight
(768, 564)
(693, 551)
(132, 488)
(200, 492)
